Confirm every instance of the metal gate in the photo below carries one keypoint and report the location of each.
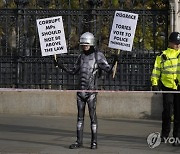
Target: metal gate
(21, 63)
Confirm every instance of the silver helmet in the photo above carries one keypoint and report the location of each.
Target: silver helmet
(87, 39)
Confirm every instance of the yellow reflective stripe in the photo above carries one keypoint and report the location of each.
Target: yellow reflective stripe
(168, 72)
(157, 68)
(171, 58)
(155, 75)
(177, 72)
(172, 66)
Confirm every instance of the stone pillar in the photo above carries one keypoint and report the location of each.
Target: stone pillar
(175, 15)
(178, 16)
(172, 15)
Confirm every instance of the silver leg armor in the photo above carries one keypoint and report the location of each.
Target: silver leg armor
(81, 103)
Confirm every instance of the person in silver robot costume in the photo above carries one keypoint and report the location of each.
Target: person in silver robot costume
(88, 64)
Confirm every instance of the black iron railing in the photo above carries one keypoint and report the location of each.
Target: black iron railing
(21, 63)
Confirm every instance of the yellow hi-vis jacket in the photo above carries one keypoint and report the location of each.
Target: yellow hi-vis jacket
(165, 68)
(178, 71)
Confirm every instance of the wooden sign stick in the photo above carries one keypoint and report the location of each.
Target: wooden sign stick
(115, 66)
(55, 57)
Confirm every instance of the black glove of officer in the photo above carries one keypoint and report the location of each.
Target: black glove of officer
(155, 88)
(178, 88)
(176, 81)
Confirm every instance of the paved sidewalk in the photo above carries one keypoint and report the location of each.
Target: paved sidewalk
(24, 134)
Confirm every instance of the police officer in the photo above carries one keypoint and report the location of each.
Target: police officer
(164, 77)
(88, 64)
(176, 132)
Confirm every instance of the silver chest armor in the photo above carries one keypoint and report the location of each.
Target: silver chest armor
(88, 65)
(88, 72)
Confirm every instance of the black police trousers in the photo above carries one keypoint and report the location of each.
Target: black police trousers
(176, 130)
(168, 109)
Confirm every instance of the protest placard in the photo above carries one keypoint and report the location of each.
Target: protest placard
(123, 30)
(51, 35)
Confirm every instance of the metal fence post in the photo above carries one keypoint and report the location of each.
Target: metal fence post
(93, 4)
(20, 38)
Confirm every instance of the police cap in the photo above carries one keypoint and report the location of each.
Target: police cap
(174, 37)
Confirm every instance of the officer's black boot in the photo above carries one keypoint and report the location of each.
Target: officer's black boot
(94, 136)
(176, 143)
(79, 142)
